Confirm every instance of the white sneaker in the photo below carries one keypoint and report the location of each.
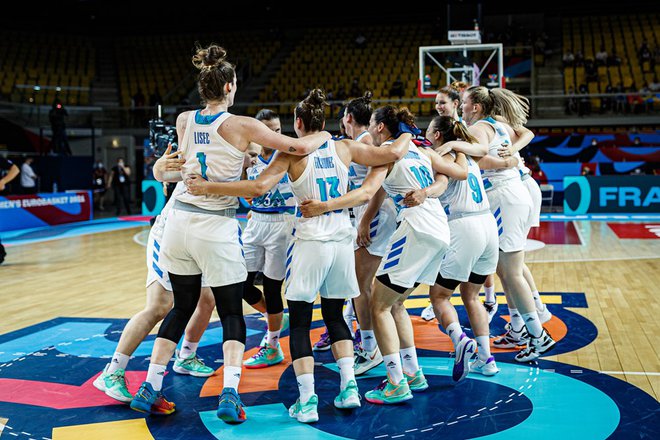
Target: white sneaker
(536, 347)
(305, 412)
(428, 314)
(365, 360)
(512, 338)
(491, 308)
(487, 368)
(544, 315)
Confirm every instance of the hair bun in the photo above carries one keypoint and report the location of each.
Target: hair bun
(210, 57)
(316, 97)
(368, 95)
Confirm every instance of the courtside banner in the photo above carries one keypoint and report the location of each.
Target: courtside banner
(44, 209)
(611, 194)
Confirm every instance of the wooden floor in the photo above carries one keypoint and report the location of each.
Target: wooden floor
(103, 275)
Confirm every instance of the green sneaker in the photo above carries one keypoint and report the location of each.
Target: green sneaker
(306, 412)
(192, 365)
(349, 397)
(114, 385)
(388, 393)
(285, 326)
(265, 357)
(417, 381)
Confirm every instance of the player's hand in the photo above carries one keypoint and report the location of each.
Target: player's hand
(312, 208)
(414, 198)
(197, 185)
(363, 234)
(505, 150)
(443, 149)
(2, 185)
(171, 161)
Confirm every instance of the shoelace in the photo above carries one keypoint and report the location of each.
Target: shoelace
(116, 377)
(261, 352)
(382, 385)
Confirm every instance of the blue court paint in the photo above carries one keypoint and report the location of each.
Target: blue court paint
(562, 406)
(47, 233)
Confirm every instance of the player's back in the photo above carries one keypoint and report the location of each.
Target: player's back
(325, 176)
(465, 196)
(500, 139)
(209, 155)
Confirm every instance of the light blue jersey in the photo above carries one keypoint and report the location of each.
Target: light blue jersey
(279, 198)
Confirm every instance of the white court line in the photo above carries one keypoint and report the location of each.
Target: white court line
(580, 237)
(588, 260)
(136, 238)
(631, 373)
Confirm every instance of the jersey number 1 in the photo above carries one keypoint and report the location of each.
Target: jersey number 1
(201, 157)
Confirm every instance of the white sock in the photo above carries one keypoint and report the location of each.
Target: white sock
(346, 371)
(454, 331)
(231, 378)
(155, 376)
(188, 349)
(119, 361)
(369, 340)
(273, 338)
(305, 386)
(537, 300)
(409, 358)
(517, 322)
(483, 347)
(393, 367)
(490, 293)
(533, 324)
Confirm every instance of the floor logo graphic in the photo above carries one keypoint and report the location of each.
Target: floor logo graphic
(47, 370)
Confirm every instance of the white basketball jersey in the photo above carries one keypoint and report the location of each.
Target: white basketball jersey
(210, 156)
(415, 171)
(279, 198)
(501, 138)
(325, 177)
(357, 172)
(465, 196)
(522, 168)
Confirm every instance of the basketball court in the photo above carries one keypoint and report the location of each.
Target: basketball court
(70, 290)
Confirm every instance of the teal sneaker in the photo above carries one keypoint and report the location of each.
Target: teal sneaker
(149, 401)
(114, 385)
(285, 326)
(306, 412)
(417, 381)
(388, 393)
(349, 397)
(265, 357)
(192, 366)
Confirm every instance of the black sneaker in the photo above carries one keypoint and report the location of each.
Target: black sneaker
(536, 347)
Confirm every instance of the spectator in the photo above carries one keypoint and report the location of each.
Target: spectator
(8, 172)
(579, 58)
(57, 117)
(646, 98)
(571, 103)
(635, 101)
(119, 179)
(568, 59)
(637, 142)
(606, 102)
(584, 107)
(620, 99)
(594, 142)
(601, 57)
(99, 182)
(586, 171)
(397, 88)
(644, 53)
(590, 70)
(28, 177)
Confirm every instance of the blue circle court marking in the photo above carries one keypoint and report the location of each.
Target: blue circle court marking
(562, 406)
